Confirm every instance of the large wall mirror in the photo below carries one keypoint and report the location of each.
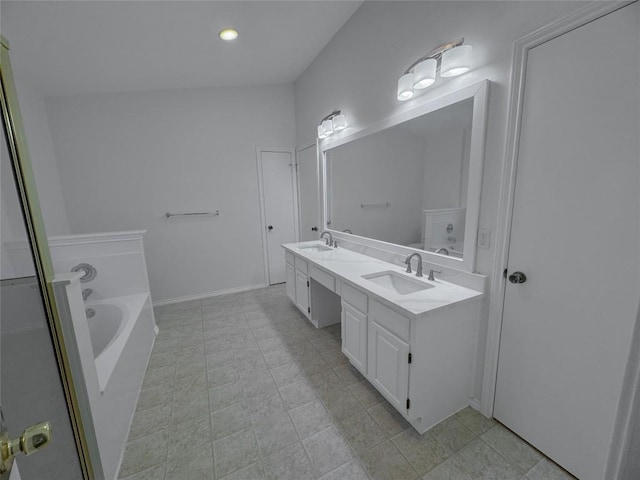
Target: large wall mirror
(413, 180)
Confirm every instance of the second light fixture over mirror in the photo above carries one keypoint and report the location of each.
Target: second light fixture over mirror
(332, 123)
(451, 59)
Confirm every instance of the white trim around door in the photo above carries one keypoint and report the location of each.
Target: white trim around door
(263, 219)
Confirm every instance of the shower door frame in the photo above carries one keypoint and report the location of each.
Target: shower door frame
(73, 386)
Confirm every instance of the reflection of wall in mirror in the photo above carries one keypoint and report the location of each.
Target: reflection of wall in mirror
(446, 171)
(421, 164)
(383, 168)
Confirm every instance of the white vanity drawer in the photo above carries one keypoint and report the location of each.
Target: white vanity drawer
(354, 297)
(323, 277)
(302, 265)
(289, 257)
(392, 321)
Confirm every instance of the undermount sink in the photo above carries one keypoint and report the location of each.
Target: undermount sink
(397, 282)
(315, 248)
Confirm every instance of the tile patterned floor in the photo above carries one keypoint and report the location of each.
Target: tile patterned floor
(243, 387)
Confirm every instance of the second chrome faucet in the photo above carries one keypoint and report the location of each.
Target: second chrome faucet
(329, 241)
(408, 264)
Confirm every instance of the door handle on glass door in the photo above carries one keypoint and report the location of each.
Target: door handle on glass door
(32, 440)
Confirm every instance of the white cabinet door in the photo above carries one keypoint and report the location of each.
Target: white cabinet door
(302, 292)
(291, 282)
(354, 336)
(388, 365)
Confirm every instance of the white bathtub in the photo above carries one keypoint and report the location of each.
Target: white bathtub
(109, 330)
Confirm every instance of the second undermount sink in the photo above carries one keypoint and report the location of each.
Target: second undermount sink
(397, 283)
(315, 248)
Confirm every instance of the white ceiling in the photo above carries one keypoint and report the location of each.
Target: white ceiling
(79, 47)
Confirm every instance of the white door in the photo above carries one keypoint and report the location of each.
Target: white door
(278, 185)
(308, 193)
(575, 234)
(388, 367)
(354, 336)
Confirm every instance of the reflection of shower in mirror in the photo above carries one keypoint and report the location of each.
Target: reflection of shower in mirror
(444, 228)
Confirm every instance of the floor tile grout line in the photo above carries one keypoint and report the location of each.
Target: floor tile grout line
(206, 374)
(508, 460)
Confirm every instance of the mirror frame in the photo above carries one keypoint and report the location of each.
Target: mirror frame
(478, 92)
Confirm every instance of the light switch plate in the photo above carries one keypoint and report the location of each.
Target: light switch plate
(484, 238)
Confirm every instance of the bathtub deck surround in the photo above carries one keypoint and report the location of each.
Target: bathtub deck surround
(114, 343)
(413, 338)
(242, 386)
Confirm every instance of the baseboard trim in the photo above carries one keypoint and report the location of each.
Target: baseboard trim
(475, 404)
(200, 296)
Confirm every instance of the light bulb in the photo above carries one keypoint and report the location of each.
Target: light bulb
(228, 34)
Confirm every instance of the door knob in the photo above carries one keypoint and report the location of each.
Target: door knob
(33, 439)
(270, 227)
(314, 229)
(517, 277)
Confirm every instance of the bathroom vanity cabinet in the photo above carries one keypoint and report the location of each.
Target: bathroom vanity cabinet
(418, 350)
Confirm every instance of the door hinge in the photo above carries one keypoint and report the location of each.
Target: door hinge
(307, 283)
(308, 309)
(504, 273)
(410, 358)
(408, 404)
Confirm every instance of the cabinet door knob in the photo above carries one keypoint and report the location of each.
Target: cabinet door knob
(270, 227)
(517, 277)
(314, 229)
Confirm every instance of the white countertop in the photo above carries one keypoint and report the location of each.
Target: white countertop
(351, 266)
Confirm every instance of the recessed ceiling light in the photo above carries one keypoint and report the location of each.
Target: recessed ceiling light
(228, 34)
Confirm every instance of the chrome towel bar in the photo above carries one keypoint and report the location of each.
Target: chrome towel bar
(192, 214)
(371, 205)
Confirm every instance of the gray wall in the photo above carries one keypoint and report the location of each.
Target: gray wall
(126, 159)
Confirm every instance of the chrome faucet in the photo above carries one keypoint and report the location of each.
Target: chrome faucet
(443, 251)
(408, 263)
(86, 292)
(431, 272)
(329, 240)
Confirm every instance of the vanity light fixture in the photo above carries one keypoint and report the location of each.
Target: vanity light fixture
(334, 122)
(453, 58)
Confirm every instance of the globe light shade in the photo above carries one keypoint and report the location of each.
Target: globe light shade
(321, 132)
(456, 61)
(405, 87)
(327, 128)
(424, 73)
(339, 122)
